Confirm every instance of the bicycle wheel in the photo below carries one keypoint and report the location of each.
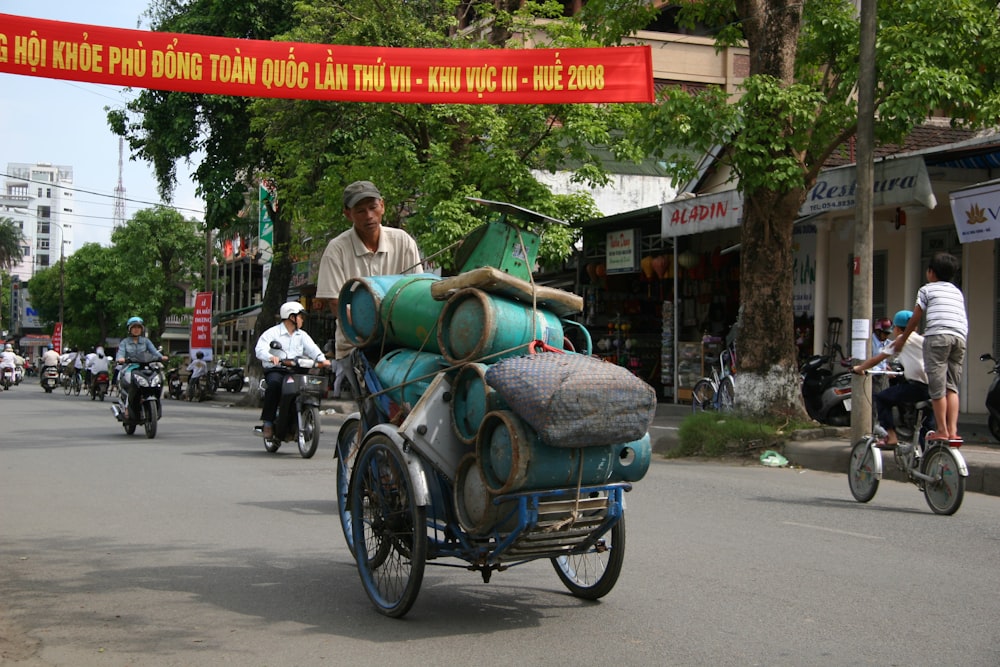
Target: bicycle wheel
(76, 384)
(592, 575)
(944, 495)
(727, 394)
(309, 433)
(862, 470)
(390, 536)
(347, 446)
(703, 395)
(68, 386)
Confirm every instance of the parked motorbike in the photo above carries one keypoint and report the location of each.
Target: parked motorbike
(175, 386)
(993, 396)
(139, 388)
(827, 397)
(229, 377)
(49, 379)
(298, 409)
(99, 385)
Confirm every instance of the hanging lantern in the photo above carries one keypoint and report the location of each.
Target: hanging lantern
(688, 259)
(647, 267)
(660, 264)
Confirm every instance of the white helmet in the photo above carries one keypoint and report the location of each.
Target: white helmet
(290, 308)
(8, 348)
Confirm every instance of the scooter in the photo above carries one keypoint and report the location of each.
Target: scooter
(228, 377)
(50, 378)
(827, 397)
(7, 378)
(139, 388)
(993, 396)
(175, 386)
(99, 385)
(298, 409)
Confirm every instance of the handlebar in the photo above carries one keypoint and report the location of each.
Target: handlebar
(892, 374)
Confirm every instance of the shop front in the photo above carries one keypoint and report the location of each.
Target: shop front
(661, 289)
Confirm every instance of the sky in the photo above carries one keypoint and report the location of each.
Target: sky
(64, 123)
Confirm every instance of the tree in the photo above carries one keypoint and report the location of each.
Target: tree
(158, 253)
(11, 243)
(798, 108)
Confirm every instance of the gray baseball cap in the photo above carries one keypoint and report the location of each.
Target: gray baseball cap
(359, 190)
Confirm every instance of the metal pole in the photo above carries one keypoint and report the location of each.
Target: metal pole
(861, 413)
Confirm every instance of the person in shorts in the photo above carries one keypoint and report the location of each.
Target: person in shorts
(942, 306)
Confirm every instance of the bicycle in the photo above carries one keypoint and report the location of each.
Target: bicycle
(718, 391)
(72, 383)
(935, 467)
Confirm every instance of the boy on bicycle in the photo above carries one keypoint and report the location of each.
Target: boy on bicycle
(913, 390)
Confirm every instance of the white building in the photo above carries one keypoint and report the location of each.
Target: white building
(37, 196)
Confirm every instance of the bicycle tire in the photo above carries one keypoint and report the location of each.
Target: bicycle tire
(944, 496)
(703, 395)
(390, 532)
(862, 470)
(726, 396)
(348, 441)
(592, 575)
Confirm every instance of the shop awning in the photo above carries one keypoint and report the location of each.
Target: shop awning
(976, 210)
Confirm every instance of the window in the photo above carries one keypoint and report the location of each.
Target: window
(43, 228)
(44, 212)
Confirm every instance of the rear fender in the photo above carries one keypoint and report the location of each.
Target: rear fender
(418, 475)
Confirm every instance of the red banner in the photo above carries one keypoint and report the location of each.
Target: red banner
(201, 323)
(57, 337)
(256, 68)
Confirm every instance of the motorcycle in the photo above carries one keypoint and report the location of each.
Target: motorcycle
(229, 377)
(50, 378)
(298, 408)
(175, 386)
(99, 385)
(7, 378)
(139, 388)
(993, 396)
(827, 397)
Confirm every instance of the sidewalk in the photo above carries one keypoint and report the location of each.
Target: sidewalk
(829, 448)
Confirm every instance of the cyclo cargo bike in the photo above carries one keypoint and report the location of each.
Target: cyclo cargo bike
(476, 438)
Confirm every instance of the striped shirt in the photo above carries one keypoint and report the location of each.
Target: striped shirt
(944, 308)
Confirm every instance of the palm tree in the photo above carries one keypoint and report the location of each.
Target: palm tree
(11, 243)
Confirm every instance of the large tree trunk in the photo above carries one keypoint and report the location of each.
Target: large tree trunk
(768, 382)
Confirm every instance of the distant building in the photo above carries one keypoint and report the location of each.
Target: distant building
(36, 196)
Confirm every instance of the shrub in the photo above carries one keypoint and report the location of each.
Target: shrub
(716, 434)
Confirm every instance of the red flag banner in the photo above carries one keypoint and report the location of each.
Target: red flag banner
(201, 322)
(256, 68)
(57, 335)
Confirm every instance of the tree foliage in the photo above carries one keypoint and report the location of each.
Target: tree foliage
(798, 107)
(11, 243)
(145, 272)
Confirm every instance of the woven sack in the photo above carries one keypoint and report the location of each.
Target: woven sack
(573, 400)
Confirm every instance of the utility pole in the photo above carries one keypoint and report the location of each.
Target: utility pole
(861, 328)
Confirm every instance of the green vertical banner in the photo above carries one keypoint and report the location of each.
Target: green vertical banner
(266, 234)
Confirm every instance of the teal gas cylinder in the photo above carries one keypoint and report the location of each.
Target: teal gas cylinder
(500, 245)
(472, 398)
(476, 326)
(363, 296)
(631, 460)
(410, 314)
(474, 503)
(513, 458)
(406, 373)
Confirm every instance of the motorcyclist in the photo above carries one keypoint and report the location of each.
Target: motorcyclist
(136, 343)
(294, 343)
(198, 369)
(98, 363)
(49, 358)
(7, 361)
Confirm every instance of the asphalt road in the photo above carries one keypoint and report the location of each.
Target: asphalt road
(198, 548)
